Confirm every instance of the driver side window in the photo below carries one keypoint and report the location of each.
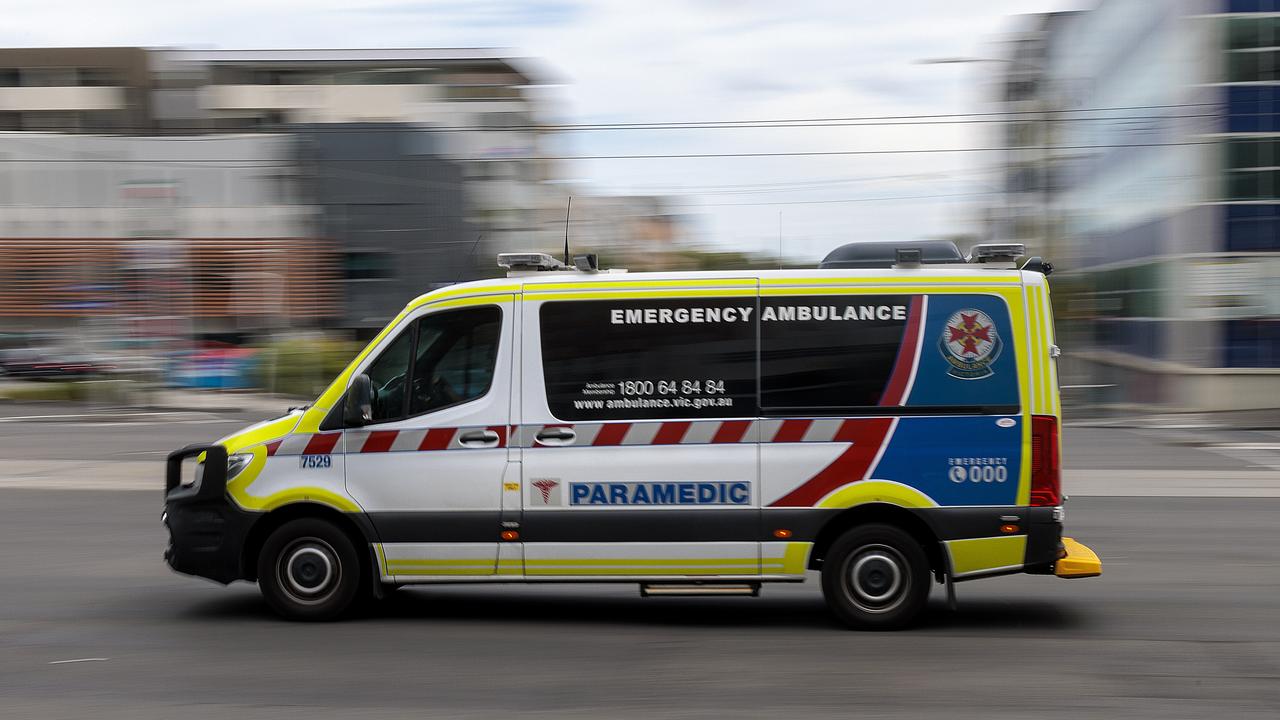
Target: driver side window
(387, 376)
(453, 357)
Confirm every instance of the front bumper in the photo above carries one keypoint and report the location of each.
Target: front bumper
(206, 531)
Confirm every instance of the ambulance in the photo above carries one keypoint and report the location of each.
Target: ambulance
(889, 421)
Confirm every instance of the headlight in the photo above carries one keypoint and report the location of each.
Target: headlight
(236, 463)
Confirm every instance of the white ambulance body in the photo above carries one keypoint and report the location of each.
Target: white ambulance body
(695, 433)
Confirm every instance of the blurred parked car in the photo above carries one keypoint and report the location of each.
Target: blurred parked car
(52, 362)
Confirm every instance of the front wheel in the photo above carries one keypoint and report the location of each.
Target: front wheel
(876, 577)
(309, 570)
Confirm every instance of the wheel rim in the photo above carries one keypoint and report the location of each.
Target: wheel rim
(876, 578)
(309, 571)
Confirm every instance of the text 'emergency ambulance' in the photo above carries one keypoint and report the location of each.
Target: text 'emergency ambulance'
(785, 313)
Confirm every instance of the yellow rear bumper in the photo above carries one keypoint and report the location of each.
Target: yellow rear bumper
(1077, 561)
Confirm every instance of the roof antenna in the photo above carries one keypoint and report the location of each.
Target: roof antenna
(567, 261)
(462, 269)
(779, 239)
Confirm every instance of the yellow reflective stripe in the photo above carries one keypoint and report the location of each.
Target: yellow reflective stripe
(977, 554)
(645, 561)
(654, 571)
(238, 489)
(396, 562)
(724, 292)
(1042, 300)
(641, 284)
(796, 558)
(303, 494)
(1010, 295)
(487, 570)
(890, 279)
(236, 442)
(1055, 398)
(869, 491)
(461, 291)
(1036, 348)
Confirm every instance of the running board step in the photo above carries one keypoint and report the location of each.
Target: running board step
(674, 590)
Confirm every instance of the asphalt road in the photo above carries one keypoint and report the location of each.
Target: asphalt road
(1181, 625)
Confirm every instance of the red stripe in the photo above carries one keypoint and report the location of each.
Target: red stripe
(671, 433)
(379, 441)
(896, 389)
(437, 439)
(850, 430)
(731, 431)
(867, 435)
(502, 434)
(273, 446)
(611, 433)
(321, 443)
(791, 431)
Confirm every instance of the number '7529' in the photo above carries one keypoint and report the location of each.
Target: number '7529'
(314, 461)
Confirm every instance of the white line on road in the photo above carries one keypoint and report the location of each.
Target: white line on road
(84, 416)
(145, 423)
(77, 660)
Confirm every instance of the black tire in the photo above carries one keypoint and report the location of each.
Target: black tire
(876, 577)
(309, 570)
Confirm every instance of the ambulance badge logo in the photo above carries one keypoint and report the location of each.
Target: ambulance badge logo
(970, 345)
(549, 489)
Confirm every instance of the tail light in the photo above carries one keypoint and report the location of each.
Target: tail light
(1046, 463)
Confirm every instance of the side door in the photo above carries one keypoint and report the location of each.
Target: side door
(638, 439)
(430, 466)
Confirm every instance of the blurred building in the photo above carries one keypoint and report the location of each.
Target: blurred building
(72, 89)
(484, 106)
(1164, 199)
(1024, 87)
(391, 164)
(396, 205)
(162, 231)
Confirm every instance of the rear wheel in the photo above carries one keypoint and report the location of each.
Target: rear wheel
(309, 570)
(876, 577)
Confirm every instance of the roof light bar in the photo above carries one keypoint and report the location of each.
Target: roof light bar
(529, 261)
(996, 252)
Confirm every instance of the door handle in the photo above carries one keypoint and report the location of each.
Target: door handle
(556, 436)
(478, 438)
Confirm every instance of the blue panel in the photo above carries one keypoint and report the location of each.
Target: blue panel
(1247, 6)
(1251, 343)
(1253, 227)
(949, 376)
(1136, 337)
(955, 460)
(1253, 108)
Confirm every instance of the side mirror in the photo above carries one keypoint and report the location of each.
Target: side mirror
(358, 408)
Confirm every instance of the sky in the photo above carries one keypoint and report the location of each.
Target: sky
(675, 61)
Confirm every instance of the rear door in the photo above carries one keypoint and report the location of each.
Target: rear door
(637, 433)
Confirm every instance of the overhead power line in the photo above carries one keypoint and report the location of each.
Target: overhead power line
(1059, 115)
(251, 163)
